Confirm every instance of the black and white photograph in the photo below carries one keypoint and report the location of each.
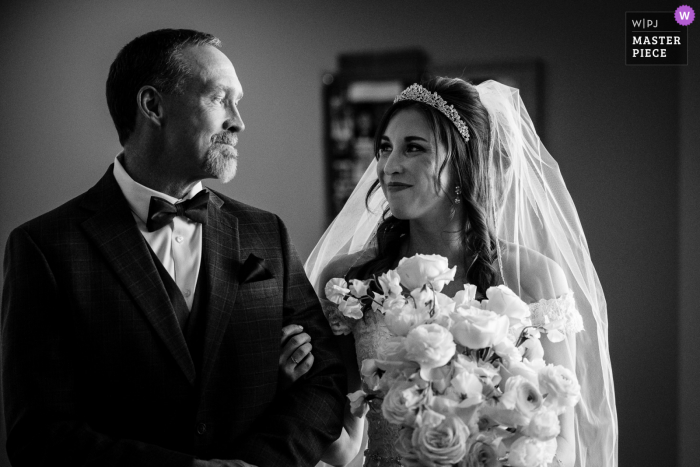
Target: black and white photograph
(239, 233)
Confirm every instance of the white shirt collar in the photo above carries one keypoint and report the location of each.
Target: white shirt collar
(139, 196)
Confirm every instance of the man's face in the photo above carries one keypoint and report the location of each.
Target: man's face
(201, 125)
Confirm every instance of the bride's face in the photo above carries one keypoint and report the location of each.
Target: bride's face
(407, 168)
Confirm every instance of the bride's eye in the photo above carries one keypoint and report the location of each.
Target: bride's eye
(414, 148)
(384, 150)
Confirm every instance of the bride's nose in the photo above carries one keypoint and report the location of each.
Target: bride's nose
(392, 164)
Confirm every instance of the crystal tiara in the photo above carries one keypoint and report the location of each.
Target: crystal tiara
(416, 92)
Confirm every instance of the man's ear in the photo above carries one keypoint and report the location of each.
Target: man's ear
(149, 104)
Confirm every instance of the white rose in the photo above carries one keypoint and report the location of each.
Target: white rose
(544, 425)
(358, 404)
(401, 403)
(478, 329)
(441, 445)
(390, 283)
(392, 349)
(401, 316)
(422, 269)
(431, 346)
(336, 289)
(529, 452)
(358, 288)
(404, 448)
(560, 385)
(351, 308)
(503, 301)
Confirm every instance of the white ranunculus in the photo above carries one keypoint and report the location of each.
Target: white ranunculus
(503, 301)
(560, 385)
(507, 351)
(390, 282)
(544, 425)
(523, 396)
(529, 452)
(336, 289)
(431, 346)
(479, 329)
(422, 269)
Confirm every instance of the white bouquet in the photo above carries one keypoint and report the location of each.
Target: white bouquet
(459, 375)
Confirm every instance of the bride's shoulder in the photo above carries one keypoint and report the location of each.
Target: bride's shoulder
(539, 277)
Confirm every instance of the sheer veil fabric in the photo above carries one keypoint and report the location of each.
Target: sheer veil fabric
(533, 215)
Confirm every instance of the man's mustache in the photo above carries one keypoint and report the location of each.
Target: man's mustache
(224, 138)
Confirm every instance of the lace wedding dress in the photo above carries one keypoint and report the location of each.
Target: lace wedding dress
(371, 332)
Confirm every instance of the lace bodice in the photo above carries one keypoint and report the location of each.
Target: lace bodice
(370, 332)
(558, 310)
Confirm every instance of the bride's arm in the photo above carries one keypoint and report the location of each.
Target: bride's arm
(546, 280)
(346, 447)
(558, 354)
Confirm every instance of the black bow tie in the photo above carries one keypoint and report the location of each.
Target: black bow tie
(161, 212)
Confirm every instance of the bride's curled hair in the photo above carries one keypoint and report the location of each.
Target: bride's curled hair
(468, 165)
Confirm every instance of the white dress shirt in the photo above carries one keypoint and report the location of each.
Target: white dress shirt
(177, 245)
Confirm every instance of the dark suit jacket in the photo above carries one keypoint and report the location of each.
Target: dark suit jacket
(96, 370)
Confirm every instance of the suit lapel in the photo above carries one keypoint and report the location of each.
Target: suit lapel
(114, 232)
(221, 242)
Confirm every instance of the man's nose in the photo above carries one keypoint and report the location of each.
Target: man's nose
(234, 122)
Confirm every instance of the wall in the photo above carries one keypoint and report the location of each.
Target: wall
(689, 315)
(613, 129)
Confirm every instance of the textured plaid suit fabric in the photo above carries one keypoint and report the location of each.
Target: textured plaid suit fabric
(96, 370)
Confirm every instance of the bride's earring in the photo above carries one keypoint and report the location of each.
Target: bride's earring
(458, 194)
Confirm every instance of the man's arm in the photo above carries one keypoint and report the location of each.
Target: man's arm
(308, 417)
(39, 349)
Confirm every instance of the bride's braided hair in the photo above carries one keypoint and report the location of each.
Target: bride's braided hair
(469, 166)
